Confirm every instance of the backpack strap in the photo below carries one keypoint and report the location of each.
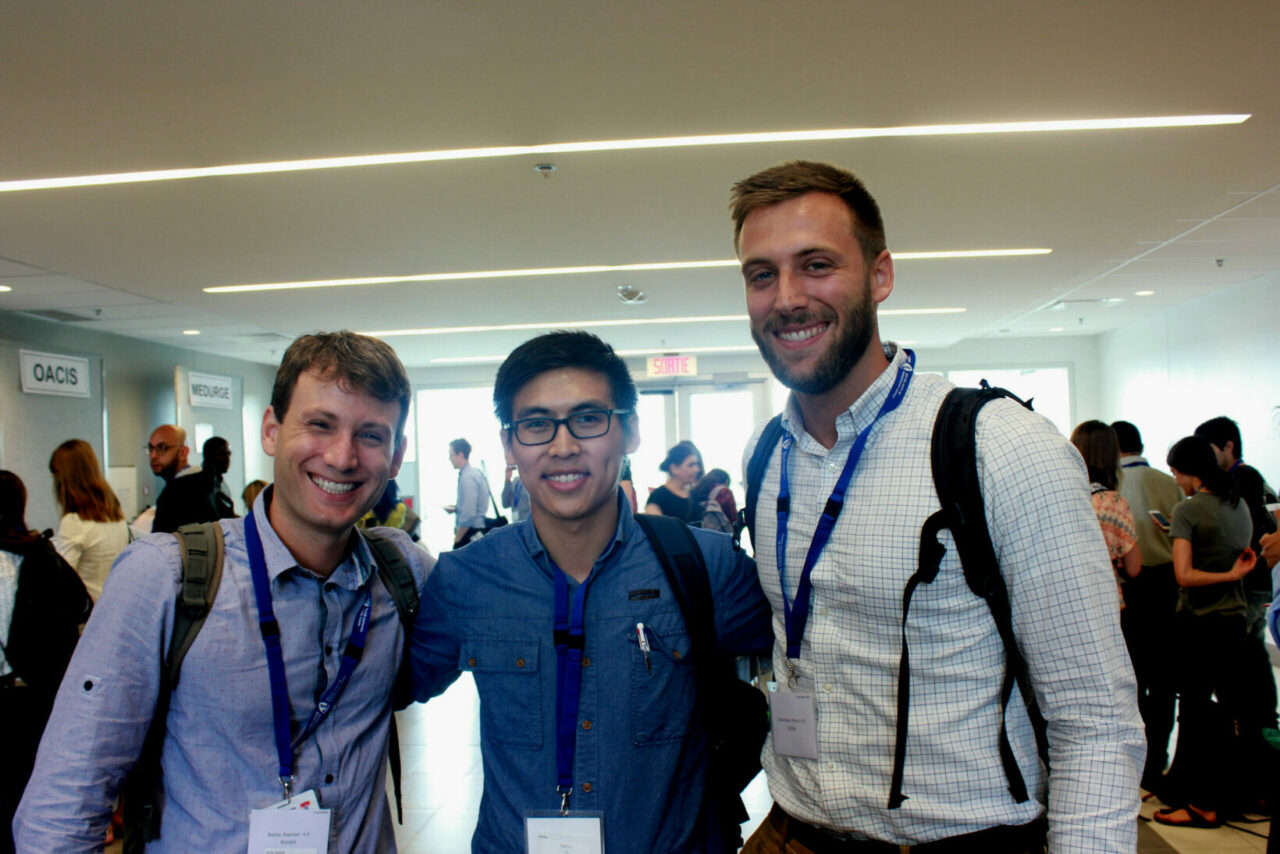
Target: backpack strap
(202, 549)
(769, 439)
(955, 475)
(397, 577)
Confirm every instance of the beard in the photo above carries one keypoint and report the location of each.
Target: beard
(843, 352)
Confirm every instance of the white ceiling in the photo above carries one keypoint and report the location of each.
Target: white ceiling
(88, 88)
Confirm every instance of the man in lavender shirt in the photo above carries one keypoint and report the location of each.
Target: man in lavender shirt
(335, 428)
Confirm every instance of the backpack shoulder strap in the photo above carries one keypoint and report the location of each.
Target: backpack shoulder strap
(397, 577)
(955, 475)
(756, 468)
(686, 571)
(202, 551)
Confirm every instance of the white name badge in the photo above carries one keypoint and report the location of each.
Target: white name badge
(794, 720)
(295, 826)
(560, 834)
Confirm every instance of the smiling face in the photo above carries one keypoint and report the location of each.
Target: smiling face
(570, 480)
(810, 293)
(334, 452)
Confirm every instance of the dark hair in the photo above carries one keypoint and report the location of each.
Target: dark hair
(1097, 443)
(13, 507)
(796, 178)
(1194, 456)
(213, 442)
(557, 350)
(460, 446)
(357, 362)
(1218, 431)
(702, 489)
(1129, 437)
(678, 453)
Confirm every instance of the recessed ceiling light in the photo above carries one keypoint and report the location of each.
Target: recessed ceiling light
(655, 351)
(191, 332)
(569, 271)
(622, 145)
(1144, 293)
(1055, 329)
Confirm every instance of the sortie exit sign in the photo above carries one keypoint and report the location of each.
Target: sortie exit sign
(672, 366)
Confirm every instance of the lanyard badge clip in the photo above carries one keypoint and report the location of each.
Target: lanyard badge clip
(286, 783)
(792, 679)
(564, 794)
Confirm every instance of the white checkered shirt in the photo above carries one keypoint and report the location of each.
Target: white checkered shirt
(1061, 588)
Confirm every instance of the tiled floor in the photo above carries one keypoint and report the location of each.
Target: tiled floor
(440, 746)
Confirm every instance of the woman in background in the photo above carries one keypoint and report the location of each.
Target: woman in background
(1210, 533)
(708, 501)
(683, 465)
(42, 604)
(1100, 447)
(93, 530)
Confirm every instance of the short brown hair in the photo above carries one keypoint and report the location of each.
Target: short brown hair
(357, 362)
(796, 178)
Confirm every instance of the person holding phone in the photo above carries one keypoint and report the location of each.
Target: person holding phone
(1210, 533)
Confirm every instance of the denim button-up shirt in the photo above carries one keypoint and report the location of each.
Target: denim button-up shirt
(219, 755)
(641, 759)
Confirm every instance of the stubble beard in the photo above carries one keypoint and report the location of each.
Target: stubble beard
(854, 336)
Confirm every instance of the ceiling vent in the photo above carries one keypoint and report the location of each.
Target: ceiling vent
(89, 315)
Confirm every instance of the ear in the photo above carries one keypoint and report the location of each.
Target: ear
(632, 424)
(398, 456)
(504, 436)
(183, 453)
(270, 427)
(881, 274)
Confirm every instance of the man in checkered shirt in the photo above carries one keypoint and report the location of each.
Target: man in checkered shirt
(813, 254)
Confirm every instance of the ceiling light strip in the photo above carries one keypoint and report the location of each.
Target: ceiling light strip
(652, 351)
(623, 145)
(569, 271)
(584, 324)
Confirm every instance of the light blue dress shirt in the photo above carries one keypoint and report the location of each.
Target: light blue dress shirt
(639, 755)
(473, 497)
(219, 755)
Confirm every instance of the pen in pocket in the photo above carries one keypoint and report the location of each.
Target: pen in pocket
(643, 637)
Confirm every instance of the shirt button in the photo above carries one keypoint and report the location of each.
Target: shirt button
(471, 662)
(831, 766)
(676, 655)
(827, 687)
(586, 724)
(519, 662)
(328, 778)
(586, 662)
(586, 787)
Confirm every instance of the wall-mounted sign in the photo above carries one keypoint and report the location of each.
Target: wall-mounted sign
(209, 390)
(49, 373)
(672, 366)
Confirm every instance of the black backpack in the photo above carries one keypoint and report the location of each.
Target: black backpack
(955, 477)
(202, 554)
(735, 715)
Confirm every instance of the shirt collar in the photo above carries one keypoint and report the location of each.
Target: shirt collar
(859, 415)
(352, 573)
(1132, 458)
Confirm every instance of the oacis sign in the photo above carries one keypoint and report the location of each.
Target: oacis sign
(51, 373)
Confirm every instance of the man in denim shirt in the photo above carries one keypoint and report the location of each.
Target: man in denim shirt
(633, 752)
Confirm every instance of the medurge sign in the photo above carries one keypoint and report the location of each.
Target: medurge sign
(209, 390)
(49, 373)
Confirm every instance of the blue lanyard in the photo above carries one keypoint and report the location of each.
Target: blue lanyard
(1135, 465)
(570, 641)
(797, 615)
(275, 658)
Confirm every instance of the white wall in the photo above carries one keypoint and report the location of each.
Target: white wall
(1213, 356)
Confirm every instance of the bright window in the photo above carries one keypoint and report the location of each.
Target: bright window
(1050, 388)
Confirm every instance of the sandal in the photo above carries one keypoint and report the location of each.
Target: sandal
(1194, 817)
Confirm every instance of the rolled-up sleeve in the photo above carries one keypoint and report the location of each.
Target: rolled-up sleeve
(1065, 616)
(103, 708)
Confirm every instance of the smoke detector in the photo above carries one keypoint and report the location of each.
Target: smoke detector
(630, 295)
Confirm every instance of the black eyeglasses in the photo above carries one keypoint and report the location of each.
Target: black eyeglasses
(588, 424)
(162, 448)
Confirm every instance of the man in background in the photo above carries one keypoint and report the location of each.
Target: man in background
(217, 462)
(473, 494)
(1151, 598)
(185, 497)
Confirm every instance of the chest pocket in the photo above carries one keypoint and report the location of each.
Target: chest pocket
(662, 688)
(506, 674)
